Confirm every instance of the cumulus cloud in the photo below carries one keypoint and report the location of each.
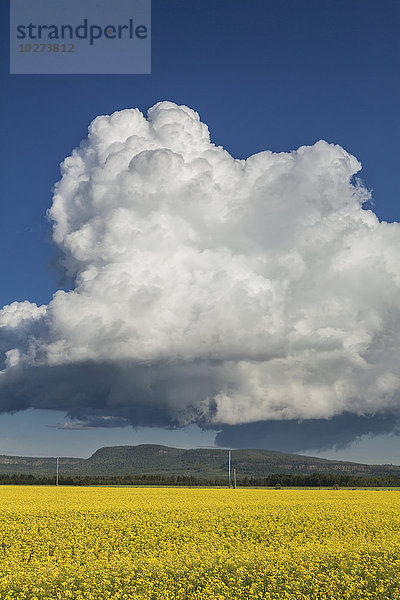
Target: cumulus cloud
(207, 289)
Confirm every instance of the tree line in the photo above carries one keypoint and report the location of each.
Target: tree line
(277, 480)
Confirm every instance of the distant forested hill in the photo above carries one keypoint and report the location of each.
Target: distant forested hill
(201, 463)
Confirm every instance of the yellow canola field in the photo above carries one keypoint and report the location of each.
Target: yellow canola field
(198, 544)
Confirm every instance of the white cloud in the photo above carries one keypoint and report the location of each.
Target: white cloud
(223, 290)
(16, 314)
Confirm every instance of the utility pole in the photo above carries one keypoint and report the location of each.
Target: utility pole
(57, 474)
(234, 478)
(229, 466)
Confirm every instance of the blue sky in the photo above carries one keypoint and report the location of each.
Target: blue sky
(266, 74)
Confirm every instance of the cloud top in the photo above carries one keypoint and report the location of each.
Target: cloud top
(208, 289)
